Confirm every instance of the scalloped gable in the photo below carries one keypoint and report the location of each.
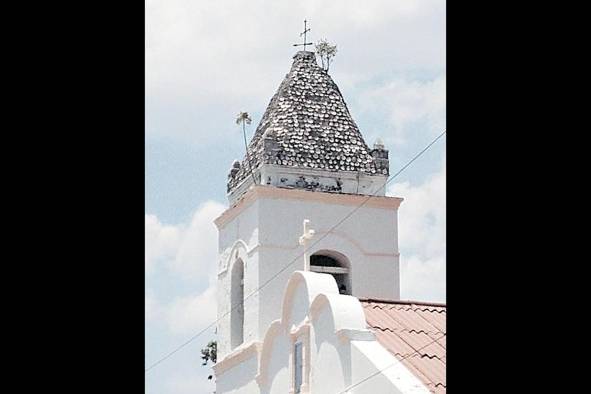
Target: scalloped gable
(314, 312)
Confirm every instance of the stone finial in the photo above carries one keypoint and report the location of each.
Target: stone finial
(234, 170)
(379, 144)
(380, 155)
(232, 174)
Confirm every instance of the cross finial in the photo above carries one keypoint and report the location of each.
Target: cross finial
(307, 235)
(306, 30)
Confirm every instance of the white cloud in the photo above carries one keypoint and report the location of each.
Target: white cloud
(408, 105)
(423, 280)
(197, 250)
(189, 253)
(185, 256)
(422, 221)
(161, 241)
(153, 309)
(190, 314)
(187, 250)
(207, 60)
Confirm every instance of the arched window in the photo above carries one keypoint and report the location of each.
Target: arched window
(336, 264)
(237, 300)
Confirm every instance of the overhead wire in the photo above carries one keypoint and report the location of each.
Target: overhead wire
(316, 241)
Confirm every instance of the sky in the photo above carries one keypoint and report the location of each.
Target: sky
(208, 60)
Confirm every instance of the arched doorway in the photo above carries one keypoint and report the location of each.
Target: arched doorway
(336, 264)
(237, 305)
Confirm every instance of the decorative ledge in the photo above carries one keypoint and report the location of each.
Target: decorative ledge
(240, 354)
(348, 334)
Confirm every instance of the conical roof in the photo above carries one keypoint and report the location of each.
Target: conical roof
(308, 125)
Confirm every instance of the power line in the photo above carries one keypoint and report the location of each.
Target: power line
(300, 255)
(390, 366)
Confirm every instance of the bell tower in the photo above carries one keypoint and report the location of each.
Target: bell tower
(310, 163)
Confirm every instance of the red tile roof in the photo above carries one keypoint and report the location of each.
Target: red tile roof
(414, 332)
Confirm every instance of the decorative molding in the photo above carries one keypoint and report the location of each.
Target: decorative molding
(275, 328)
(351, 334)
(232, 254)
(336, 233)
(238, 355)
(316, 306)
(347, 316)
(279, 326)
(302, 328)
(245, 201)
(292, 284)
(317, 172)
(251, 251)
(272, 192)
(223, 260)
(227, 254)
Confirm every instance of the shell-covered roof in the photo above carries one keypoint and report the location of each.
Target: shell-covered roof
(308, 125)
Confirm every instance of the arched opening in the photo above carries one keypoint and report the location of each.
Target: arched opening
(237, 300)
(336, 264)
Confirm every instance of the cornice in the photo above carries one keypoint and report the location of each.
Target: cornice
(237, 356)
(272, 192)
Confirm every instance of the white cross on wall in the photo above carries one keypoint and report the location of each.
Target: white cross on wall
(307, 235)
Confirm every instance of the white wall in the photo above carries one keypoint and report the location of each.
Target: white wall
(368, 239)
(264, 231)
(240, 379)
(341, 350)
(236, 239)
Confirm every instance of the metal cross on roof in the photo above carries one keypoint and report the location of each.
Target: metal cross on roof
(306, 30)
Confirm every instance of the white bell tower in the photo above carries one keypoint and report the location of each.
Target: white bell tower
(311, 167)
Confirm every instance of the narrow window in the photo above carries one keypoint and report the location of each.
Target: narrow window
(237, 300)
(298, 366)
